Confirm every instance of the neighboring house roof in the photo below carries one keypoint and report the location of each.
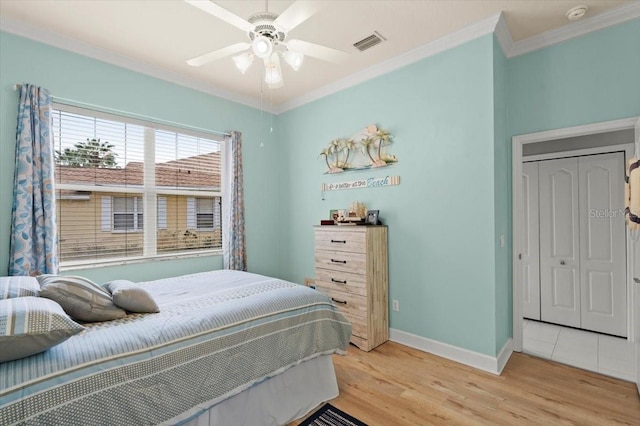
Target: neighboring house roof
(200, 171)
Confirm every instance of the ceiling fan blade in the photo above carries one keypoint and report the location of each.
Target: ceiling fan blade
(296, 14)
(217, 54)
(317, 51)
(221, 13)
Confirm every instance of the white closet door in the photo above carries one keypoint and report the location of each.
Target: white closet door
(603, 263)
(530, 272)
(559, 242)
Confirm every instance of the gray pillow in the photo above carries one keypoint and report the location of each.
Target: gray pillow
(131, 296)
(29, 325)
(81, 298)
(11, 287)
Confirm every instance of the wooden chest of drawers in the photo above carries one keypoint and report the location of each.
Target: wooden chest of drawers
(351, 268)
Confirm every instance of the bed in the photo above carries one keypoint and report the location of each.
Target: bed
(227, 347)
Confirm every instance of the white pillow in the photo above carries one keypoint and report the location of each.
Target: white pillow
(29, 325)
(131, 297)
(11, 287)
(81, 298)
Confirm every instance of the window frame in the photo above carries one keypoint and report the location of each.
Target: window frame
(148, 194)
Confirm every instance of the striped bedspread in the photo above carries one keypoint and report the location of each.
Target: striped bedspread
(217, 334)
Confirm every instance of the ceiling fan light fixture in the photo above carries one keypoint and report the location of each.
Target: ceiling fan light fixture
(294, 59)
(262, 47)
(243, 61)
(272, 74)
(267, 33)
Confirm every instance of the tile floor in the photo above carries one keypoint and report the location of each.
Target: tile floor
(603, 354)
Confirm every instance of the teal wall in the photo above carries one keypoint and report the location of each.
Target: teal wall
(71, 76)
(584, 80)
(441, 217)
(452, 116)
(502, 201)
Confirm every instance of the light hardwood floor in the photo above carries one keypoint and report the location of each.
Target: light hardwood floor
(397, 385)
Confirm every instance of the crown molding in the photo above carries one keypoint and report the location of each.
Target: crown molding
(447, 42)
(105, 55)
(606, 19)
(495, 24)
(503, 35)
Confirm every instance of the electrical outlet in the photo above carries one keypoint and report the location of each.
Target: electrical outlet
(396, 305)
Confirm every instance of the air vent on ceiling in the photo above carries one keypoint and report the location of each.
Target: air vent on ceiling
(369, 42)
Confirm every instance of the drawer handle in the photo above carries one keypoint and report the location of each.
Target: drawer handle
(339, 241)
(338, 261)
(333, 280)
(344, 302)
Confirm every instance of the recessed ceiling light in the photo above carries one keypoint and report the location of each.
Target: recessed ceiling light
(576, 12)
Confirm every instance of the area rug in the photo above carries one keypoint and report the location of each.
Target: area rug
(328, 415)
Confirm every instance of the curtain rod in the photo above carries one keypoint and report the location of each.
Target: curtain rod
(126, 114)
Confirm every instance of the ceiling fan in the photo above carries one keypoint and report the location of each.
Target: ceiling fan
(267, 34)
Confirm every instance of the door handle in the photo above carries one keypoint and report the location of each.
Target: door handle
(562, 262)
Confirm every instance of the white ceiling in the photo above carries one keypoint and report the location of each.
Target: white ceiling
(163, 34)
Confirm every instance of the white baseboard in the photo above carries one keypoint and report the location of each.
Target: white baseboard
(473, 359)
(504, 355)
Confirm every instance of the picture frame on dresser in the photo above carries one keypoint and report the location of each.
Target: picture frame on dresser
(372, 217)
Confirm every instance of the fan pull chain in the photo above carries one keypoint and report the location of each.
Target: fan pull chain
(261, 114)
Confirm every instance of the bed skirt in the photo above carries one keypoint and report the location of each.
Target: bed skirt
(276, 401)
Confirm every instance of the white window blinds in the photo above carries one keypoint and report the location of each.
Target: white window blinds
(112, 175)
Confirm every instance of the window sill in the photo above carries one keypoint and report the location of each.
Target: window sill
(93, 264)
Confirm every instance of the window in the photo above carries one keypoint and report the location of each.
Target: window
(204, 213)
(129, 189)
(127, 214)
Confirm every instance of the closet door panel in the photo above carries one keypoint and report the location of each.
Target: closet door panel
(530, 272)
(602, 244)
(559, 242)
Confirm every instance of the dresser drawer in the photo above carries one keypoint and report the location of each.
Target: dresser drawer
(350, 304)
(358, 325)
(342, 281)
(364, 344)
(355, 263)
(352, 241)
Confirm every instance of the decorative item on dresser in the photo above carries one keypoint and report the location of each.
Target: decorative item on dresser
(351, 268)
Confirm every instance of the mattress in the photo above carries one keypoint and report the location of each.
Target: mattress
(217, 334)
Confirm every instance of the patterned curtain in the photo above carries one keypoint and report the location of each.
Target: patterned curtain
(233, 239)
(33, 228)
